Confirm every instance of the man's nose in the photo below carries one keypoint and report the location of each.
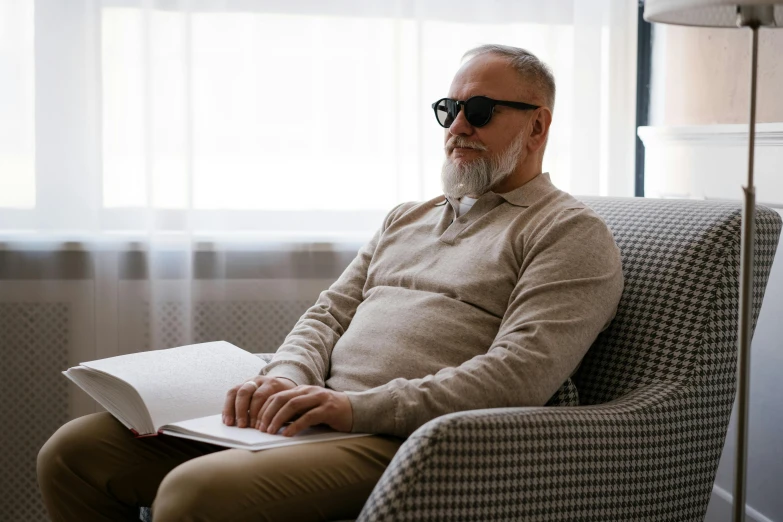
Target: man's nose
(460, 125)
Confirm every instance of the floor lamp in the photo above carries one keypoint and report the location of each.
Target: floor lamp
(751, 14)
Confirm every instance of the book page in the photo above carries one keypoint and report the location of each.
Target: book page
(124, 403)
(185, 382)
(211, 429)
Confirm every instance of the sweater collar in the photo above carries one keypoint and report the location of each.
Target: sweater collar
(523, 196)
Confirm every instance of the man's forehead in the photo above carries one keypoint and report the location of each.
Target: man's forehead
(490, 90)
(487, 75)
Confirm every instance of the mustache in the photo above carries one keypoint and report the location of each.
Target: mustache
(459, 141)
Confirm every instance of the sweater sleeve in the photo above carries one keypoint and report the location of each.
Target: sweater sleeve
(567, 292)
(306, 351)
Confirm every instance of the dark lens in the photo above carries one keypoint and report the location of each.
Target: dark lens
(443, 112)
(478, 111)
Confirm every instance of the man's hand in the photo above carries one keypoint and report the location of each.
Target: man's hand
(244, 401)
(312, 404)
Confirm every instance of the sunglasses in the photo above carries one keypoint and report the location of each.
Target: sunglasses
(478, 109)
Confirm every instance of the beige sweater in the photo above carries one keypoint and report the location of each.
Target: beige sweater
(437, 315)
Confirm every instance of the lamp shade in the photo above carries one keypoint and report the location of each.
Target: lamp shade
(706, 13)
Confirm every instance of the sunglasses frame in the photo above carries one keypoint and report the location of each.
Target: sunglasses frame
(460, 104)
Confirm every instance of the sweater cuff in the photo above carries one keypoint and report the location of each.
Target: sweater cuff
(289, 371)
(374, 411)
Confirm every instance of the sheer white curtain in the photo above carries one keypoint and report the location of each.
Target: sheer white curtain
(199, 125)
(278, 117)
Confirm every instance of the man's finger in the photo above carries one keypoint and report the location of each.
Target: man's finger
(274, 403)
(311, 418)
(228, 406)
(295, 406)
(242, 403)
(258, 400)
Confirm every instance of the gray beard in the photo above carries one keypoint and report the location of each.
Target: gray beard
(476, 177)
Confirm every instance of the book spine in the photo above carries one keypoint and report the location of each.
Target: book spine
(136, 434)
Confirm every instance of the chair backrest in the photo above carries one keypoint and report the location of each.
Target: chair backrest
(677, 318)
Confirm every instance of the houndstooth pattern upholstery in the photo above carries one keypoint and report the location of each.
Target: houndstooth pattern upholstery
(657, 389)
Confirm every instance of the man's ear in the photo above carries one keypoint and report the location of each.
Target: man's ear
(539, 128)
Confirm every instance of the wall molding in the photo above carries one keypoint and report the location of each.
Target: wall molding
(711, 162)
(767, 134)
(723, 503)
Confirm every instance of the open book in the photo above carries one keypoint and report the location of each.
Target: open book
(180, 392)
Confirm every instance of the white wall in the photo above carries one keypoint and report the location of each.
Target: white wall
(701, 76)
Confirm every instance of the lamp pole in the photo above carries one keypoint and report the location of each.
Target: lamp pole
(746, 304)
(753, 17)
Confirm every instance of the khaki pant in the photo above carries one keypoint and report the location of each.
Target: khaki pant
(93, 469)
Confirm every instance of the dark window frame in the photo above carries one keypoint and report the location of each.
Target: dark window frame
(643, 76)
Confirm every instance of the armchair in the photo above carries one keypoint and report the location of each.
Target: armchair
(656, 391)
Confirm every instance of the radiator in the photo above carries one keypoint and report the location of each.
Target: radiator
(34, 337)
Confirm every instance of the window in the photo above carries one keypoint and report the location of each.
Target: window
(287, 120)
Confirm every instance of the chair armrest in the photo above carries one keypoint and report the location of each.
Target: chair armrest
(537, 463)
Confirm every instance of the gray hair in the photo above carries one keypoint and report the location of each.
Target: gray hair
(526, 64)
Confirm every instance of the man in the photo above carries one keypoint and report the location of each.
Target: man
(489, 297)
